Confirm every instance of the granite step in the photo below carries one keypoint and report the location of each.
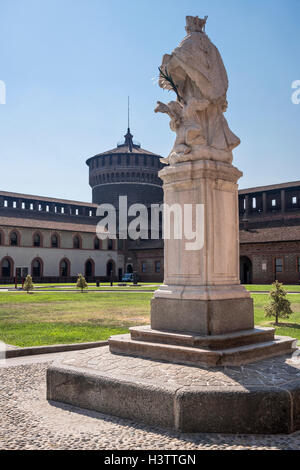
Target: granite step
(125, 345)
(224, 341)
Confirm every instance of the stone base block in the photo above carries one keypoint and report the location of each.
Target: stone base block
(215, 342)
(240, 355)
(205, 317)
(257, 398)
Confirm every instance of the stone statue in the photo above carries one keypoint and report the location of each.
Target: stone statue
(196, 73)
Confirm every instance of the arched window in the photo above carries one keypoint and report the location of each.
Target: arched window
(89, 268)
(37, 239)
(110, 268)
(76, 242)
(64, 268)
(14, 239)
(7, 267)
(129, 268)
(110, 244)
(54, 241)
(96, 243)
(36, 268)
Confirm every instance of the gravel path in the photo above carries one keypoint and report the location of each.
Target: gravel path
(28, 421)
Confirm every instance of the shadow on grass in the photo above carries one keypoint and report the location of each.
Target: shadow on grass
(287, 325)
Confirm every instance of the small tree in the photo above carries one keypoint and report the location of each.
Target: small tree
(28, 284)
(81, 283)
(279, 306)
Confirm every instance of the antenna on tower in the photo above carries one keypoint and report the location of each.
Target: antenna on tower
(128, 113)
(128, 136)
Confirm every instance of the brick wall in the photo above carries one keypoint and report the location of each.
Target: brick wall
(263, 255)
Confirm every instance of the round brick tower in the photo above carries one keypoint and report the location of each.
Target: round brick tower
(127, 170)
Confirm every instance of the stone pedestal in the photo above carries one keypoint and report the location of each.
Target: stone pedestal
(201, 290)
(201, 315)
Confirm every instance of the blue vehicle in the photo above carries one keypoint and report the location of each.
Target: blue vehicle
(127, 277)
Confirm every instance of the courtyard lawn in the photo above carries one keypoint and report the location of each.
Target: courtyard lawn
(145, 286)
(52, 318)
(68, 317)
(268, 287)
(288, 326)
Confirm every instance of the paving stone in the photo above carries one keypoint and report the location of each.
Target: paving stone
(28, 421)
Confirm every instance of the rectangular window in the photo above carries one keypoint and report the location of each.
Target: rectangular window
(294, 200)
(144, 266)
(254, 203)
(273, 202)
(278, 265)
(298, 264)
(157, 266)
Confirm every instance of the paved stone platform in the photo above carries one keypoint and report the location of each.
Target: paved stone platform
(263, 397)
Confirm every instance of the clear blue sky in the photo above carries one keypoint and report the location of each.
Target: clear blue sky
(69, 66)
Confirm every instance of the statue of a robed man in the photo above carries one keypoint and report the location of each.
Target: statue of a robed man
(196, 73)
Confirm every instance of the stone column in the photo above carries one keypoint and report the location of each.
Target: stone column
(201, 291)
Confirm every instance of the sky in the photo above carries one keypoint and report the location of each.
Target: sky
(69, 65)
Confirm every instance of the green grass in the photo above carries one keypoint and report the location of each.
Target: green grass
(68, 317)
(268, 287)
(37, 334)
(145, 286)
(52, 318)
(288, 326)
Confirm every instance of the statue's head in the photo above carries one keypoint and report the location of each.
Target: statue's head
(195, 24)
